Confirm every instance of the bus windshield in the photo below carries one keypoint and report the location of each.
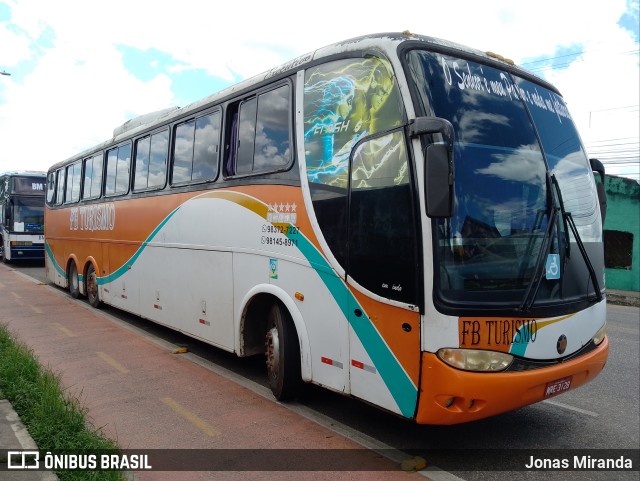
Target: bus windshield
(511, 135)
(28, 214)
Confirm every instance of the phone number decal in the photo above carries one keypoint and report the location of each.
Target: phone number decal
(280, 229)
(279, 235)
(278, 241)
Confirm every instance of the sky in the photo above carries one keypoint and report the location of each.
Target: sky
(78, 69)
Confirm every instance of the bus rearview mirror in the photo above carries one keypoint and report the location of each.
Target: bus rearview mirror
(438, 180)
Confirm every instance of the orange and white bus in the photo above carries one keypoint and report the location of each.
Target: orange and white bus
(395, 217)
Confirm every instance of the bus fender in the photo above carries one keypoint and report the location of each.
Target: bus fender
(296, 316)
(70, 259)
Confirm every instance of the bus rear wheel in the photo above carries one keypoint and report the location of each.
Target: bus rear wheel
(74, 283)
(282, 354)
(91, 287)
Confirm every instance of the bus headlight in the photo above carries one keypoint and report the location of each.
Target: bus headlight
(475, 360)
(599, 336)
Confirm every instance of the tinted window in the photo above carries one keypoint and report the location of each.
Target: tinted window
(118, 161)
(183, 152)
(60, 187)
(122, 175)
(206, 147)
(51, 187)
(158, 159)
(112, 164)
(246, 136)
(73, 182)
(195, 153)
(88, 173)
(382, 228)
(262, 132)
(96, 176)
(344, 101)
(151, 161)
(92, 177)
(142, 163)
(272, 146)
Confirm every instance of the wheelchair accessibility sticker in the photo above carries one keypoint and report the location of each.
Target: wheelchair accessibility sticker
(553, 266)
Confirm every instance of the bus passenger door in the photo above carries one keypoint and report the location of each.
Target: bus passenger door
(383, 276)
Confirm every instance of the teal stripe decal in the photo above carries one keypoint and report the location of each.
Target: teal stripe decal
(398, 382)
(60, 270)
(124, 268)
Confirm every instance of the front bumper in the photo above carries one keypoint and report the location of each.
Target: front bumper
(480, 395)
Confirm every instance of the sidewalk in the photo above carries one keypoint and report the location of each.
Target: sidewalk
(623, 298)
(13, 435)
(144, 396)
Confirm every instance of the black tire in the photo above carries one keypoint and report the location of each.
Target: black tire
(91, 287)
(74, 282)
(282, 352)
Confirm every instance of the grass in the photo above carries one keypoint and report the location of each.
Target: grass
(55, 421)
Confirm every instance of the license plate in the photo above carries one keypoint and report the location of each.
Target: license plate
(558, 386)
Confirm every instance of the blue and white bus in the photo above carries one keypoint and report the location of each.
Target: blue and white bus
(22, 215)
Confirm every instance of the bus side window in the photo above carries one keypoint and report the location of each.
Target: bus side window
(259, 137)
(195, 149)
(60, 186)
(73, 183)
(118, 162)
(92, 177)
(232, 146)
(96, 177)
(51, 187)
(151, 161)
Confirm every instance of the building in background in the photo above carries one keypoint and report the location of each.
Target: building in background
(622, 234)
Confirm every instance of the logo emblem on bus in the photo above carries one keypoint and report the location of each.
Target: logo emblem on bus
(562, 344)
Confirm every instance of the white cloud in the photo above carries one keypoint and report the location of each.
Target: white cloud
(79, 89)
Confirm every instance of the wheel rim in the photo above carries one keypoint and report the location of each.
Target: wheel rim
(92, 285)
(273, 352)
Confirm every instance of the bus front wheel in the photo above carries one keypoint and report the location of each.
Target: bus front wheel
(74, 283)
(283, 354)
(93, 294)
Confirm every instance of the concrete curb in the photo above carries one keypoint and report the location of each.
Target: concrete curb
(623, 298)
(14, 435)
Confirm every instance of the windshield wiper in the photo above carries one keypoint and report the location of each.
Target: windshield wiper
(568, 220)
(532, 289)
(536, 279)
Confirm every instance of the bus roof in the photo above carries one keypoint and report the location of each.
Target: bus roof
(23, 173)
(386, 43)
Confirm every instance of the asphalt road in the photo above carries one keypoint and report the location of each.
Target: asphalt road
(604, 414)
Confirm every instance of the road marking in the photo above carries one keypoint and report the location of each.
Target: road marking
(571, 408)
(201, 424)
(63, 329)
(112, 362)
(430, 472)
(395, 455)
(37, 310)
(16, 295)
(1, 285)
